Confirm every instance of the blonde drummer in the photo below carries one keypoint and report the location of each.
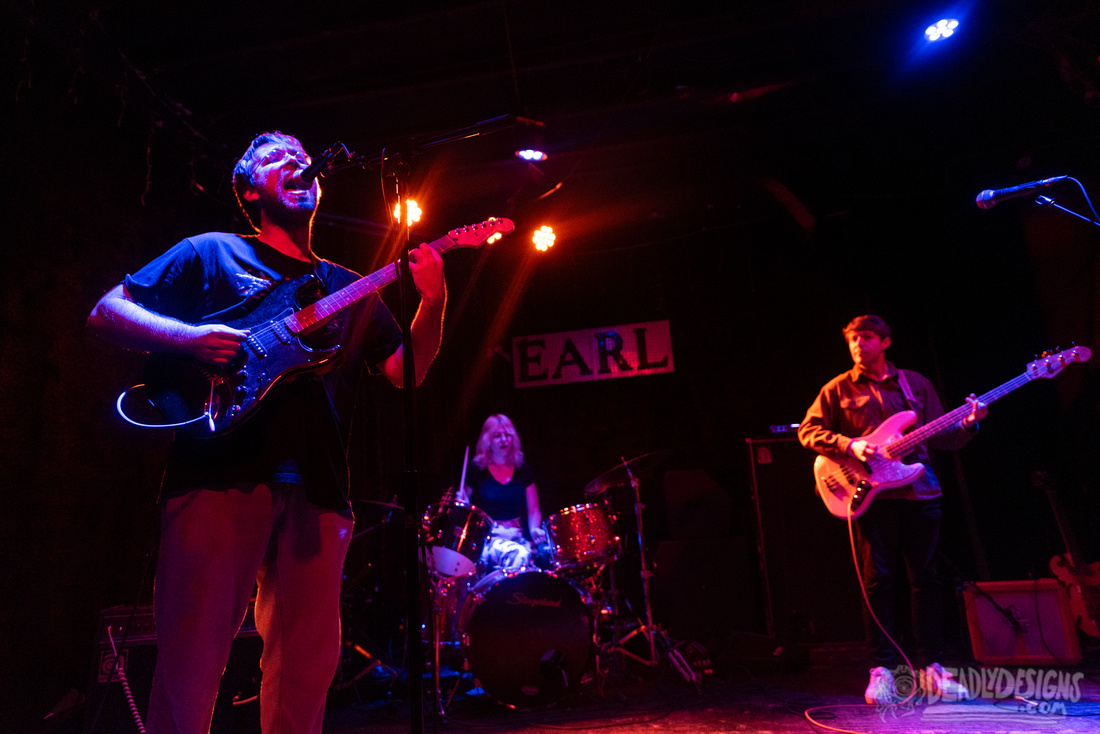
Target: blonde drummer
(503, 486)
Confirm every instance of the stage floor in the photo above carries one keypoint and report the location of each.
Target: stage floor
(756, 695)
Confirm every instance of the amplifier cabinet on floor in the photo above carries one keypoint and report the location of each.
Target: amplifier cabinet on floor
(810, 590)
(1021, 623)
(107, 710)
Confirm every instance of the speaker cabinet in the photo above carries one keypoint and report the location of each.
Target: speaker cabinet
(1021, 623)
(107, 710)
(811, 593)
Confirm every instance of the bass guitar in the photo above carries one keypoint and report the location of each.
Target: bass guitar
(847, 485)
(208, 401)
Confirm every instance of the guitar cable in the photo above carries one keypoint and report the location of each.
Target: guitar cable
(206, 414)
(119, 668)
(117, 662)
(909, 664)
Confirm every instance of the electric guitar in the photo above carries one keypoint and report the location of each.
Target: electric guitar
(1081, 579)
(848, 485)
(208, 401)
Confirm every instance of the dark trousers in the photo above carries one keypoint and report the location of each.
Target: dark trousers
(893, 536)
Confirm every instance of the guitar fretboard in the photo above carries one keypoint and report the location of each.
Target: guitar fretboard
(905, 445)
(1048, 366)
(333, 303)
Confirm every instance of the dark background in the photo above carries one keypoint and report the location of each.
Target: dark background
(756, 175)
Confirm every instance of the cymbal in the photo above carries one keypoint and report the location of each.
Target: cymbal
(619, 476)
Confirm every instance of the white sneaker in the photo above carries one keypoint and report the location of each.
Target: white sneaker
(880, 689)
(937, 682)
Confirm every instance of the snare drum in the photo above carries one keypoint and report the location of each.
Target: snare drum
(527, 636)
(455, 534)
(582, 539)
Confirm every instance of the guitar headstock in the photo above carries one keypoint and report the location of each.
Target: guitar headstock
(1048, 365)
(476, 235)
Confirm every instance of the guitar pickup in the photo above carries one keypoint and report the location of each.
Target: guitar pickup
(281, 332)
(256, 347)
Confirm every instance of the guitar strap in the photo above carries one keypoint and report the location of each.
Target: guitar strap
(906, 391)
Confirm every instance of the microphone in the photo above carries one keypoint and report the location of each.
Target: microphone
(303, 177)
(991, 197)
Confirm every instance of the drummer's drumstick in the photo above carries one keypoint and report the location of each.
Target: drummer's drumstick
(462, 482)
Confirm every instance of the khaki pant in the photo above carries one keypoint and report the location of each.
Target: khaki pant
(215, 547)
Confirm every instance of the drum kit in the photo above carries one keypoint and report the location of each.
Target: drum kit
(530, 635)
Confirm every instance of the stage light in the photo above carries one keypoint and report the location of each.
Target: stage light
(543, 238)
(942, 29)
(531, 154)
(530, 145)
(414, 212)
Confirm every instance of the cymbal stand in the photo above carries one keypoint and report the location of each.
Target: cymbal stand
(646, 627)
(437, 622)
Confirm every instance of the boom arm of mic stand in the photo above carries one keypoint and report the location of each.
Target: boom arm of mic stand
(413, 146)
(1047, 201)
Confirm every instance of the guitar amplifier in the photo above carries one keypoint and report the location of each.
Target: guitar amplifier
(1021, 623)
(134, 634)
(810, 590)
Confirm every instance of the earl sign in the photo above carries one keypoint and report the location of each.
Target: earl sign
(602, 353)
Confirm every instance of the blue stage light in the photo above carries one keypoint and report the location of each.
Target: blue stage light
(942, 29)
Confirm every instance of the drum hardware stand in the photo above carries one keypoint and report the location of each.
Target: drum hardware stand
(351, 584)
(435, 622)
(437, 619)
(374, 663)
(646, 627)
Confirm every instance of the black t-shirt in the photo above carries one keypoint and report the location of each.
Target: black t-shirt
(299, 431)
(501, 501)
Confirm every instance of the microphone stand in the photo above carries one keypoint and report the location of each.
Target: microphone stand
(401, 172)
(1047, 201)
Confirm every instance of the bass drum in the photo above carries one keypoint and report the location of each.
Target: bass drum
(527, 636)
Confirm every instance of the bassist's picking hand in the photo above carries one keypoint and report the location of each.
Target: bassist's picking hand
(216, 344)
(861, 449)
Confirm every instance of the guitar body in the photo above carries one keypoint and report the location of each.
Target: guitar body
(183, 388)
(849, 482)
(206, 401)
(1083, 583)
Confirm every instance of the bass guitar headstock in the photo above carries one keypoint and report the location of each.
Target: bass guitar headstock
(1050, 364)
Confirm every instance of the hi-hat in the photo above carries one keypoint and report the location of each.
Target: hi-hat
(619, 476)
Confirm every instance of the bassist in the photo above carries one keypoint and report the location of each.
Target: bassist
(266, 503)
(903, 520)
